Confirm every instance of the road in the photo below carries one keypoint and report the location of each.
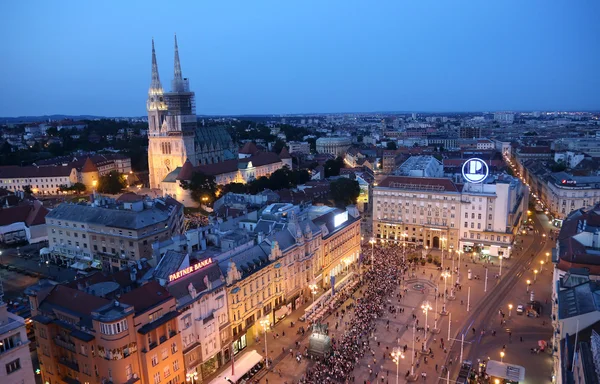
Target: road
(512, 288)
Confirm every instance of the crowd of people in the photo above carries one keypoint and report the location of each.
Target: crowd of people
(380, 280)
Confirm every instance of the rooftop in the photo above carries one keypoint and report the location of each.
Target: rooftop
(418, 183)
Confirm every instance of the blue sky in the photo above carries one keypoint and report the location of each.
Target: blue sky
(261, 57)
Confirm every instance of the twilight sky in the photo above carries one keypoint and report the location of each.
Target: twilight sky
(292, 56)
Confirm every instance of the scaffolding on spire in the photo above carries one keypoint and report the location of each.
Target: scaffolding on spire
(179, 84)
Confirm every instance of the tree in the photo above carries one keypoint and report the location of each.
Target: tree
(112, 183)
(344, 191)
(78, 188)
(278, 146)
(27, 190)
(203, 188)
(391, 145)
(332, 167)
(558, 167)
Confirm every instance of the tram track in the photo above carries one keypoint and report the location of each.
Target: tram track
(483, 312)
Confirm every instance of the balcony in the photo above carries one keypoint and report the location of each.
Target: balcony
(163, 339)
(69, 363)
(64, 343)
(172, 334)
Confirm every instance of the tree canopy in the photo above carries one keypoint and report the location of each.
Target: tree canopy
(391, 145)
(344, 191)
(112, 183)
(202, 187)
(280, 179)
(332, 167)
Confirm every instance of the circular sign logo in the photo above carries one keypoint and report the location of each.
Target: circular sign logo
(475, 170)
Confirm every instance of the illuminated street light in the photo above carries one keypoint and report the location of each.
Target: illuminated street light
(313, 290)
(191, 377)
(528, 284)
(510, 307)
(535, 272)
(542, 265)
(426, 307)
(547, 255)
(396, 356)
(265, 323)
(502, 356)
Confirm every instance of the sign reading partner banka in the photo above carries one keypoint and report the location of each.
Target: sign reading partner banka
(475, 170)
(190, 269)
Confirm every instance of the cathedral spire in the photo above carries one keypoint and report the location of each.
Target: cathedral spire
(177, 74)
(178, 84)
(155, 86)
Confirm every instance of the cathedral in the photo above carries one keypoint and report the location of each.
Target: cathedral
(173, 132)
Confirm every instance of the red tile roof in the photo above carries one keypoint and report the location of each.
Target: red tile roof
(15, 172)
(186, 171)
(75, 300)
(146, 297)
(418, 183)
(29, 213)
(129, 197)
(284, 154)
(89, 166)
(249, 149)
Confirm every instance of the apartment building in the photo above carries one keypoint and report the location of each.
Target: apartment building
(106, 331)
(199, 289)
(437, 213)
(15, 358)
(565, 193)
(255, 289)
(420, 210)
(491, 213)
(109, 233)
(41, 180)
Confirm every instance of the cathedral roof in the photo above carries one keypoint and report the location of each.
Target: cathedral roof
(89, 166)
(186, 171)
(284, 154)
(215, 136)
(249, 149)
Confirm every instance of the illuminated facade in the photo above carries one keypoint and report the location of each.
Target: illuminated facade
(110, 233)
(420, 210)
(85, 337)
(15, 358)
(173, 131)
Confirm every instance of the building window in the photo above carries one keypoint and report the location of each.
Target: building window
(157, 378)
(129, 372)
(164, 353)
(13, 366)
(176, 366)
(154, 360)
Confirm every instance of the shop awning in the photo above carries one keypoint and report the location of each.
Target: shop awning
(243, 364)
(281, 312)
(505, 371)
(97, 264)
(45, 251)
(80, 266)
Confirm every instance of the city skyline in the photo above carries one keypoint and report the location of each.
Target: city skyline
(288, 59)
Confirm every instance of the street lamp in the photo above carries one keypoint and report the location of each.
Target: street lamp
(426, 307)
(542, 265)
(396, 356)
(547, 255)
(510, 306)
(445, 275)
(265, 323)
(502, 357)
(528, 284)
(313, 290)
(191, 377)
(535, 272)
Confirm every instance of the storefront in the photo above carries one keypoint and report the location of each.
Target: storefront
(211, 365)
(239, 344)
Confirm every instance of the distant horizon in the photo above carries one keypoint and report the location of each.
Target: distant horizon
(287, 58)
(281, 115)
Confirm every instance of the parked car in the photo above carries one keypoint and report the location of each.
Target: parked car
(520, 309)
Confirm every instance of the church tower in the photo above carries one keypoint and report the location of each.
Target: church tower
(171, 123)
